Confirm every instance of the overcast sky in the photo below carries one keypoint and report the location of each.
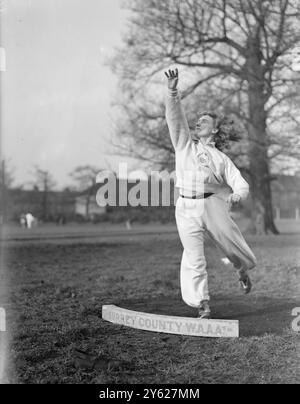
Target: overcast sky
(56, 91)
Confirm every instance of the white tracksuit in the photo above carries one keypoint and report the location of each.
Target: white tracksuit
(203, 168)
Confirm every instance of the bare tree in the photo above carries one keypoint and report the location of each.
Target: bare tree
(45, 182)
(235, 55)
(7, 174)
(85, 180)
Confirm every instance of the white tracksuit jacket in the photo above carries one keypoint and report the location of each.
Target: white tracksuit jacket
(187, 158)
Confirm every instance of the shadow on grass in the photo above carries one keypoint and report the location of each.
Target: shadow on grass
(257, 315)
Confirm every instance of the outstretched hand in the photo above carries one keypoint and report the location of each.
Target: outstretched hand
(173, 79)
(233, 199)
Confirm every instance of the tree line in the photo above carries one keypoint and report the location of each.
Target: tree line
(83, 178)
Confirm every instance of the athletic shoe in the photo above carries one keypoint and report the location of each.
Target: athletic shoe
(204, 312)
(245, 283)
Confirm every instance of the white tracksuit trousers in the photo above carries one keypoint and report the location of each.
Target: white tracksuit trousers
(195, 218)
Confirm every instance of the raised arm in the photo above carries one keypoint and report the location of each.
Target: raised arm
(176, 119)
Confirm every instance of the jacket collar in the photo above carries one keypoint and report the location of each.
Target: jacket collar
(209, 142)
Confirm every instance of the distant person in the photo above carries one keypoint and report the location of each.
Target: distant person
(23, 221)
(203, 174)
(30, 220)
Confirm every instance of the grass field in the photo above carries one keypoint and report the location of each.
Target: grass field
(56, 286)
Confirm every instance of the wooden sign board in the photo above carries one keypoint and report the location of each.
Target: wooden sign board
(171, 325)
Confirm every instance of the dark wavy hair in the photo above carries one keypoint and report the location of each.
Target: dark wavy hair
(226, 131)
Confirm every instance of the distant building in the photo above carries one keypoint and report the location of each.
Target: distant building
(64, 204)
(20, 201)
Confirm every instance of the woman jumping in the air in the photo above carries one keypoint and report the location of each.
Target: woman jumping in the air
(203, 176)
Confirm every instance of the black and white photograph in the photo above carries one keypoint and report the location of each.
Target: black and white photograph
(149, 195)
